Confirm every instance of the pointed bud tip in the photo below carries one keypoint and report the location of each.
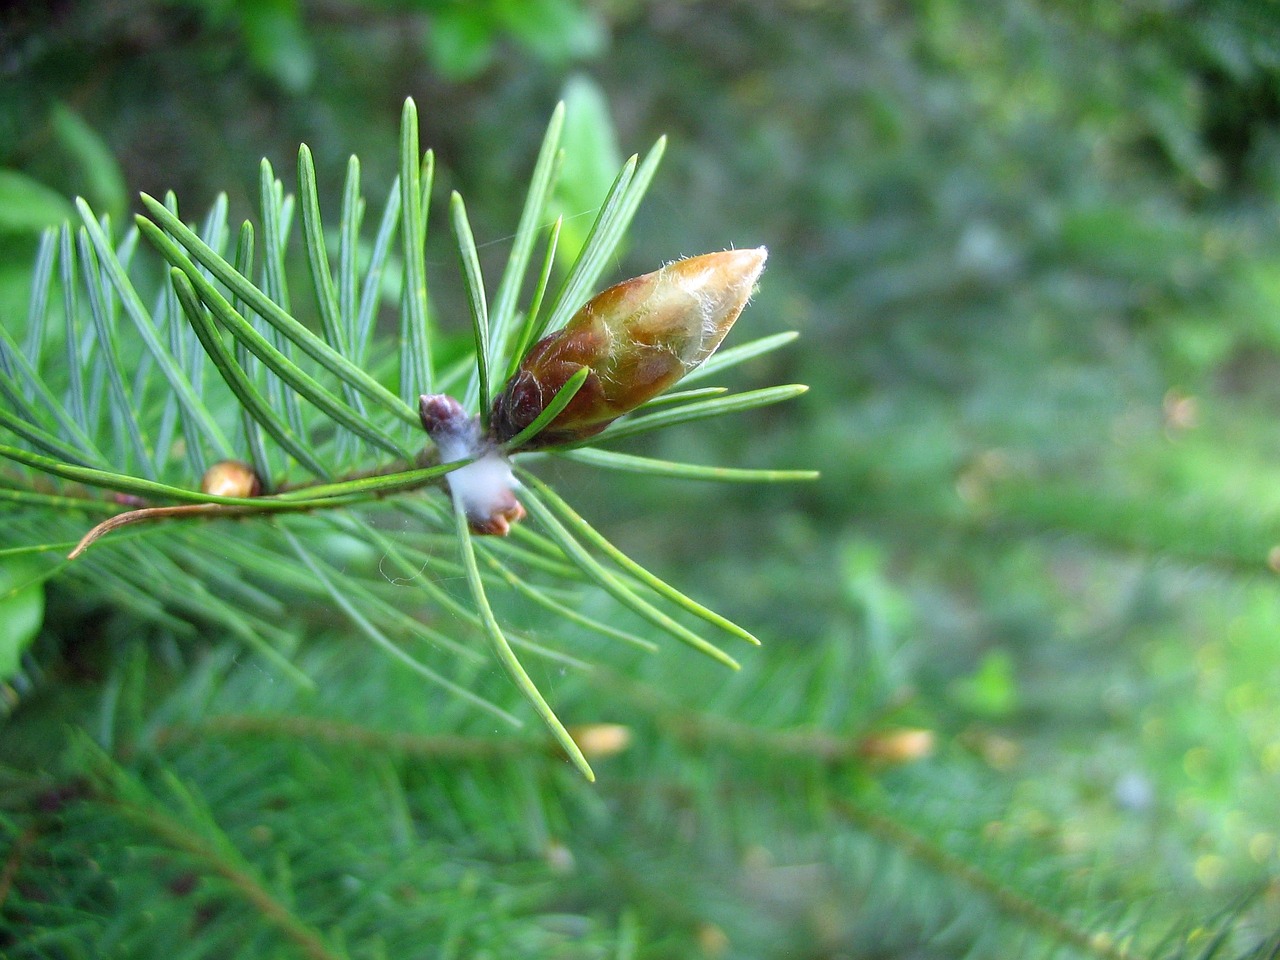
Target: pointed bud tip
(750, 263)
(744, 261)
(731, 270)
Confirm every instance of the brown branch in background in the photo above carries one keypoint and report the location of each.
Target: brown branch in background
(884, 746)
(595, 740)
(243, 880)
(213, 855)
(336, 733)
(14, 862)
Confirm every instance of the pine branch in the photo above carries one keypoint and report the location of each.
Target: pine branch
(214, 855)
(1004, 897)
(349, 736)
(155, 409)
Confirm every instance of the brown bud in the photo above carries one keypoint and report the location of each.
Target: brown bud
(231, 478)
(638, 338)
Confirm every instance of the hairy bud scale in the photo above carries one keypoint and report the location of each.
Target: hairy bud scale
(637, 338)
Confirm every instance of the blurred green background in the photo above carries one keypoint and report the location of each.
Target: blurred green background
(1032, 251)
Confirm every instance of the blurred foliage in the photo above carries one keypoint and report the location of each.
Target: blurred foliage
(1032, 248)
(591, 156)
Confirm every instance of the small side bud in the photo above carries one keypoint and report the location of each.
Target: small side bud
(485, 488)
(599, 740)
(445, 421)
(894, 747)
(637, 338)
(231, 478)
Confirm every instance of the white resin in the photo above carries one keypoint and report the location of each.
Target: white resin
(484, 488)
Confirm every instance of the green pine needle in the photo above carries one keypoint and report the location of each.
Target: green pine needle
(533, 324)
(592, 536)
(306, 385)
(732, 356)
(698, 410)
(322, 352)
(551, 410)
(255, 405)
(614, 586)
(344, 598)
(473, 282)
(506, 656)
(416, 370)
(629, 463)
(541, 185)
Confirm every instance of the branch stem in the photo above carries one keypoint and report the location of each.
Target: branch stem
(335, 733)
(1005, 898)
(320, 495)
(174, 833)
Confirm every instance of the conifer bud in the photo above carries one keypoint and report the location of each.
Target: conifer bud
(637, 338)
(599, 740)
(485, 487)
(231, 478)
(895, 747)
